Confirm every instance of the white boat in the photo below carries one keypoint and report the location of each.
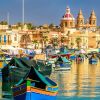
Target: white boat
(62, 68)
(62, 64)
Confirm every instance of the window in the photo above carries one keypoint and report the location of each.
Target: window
(93, 21)
(8, 38)
(81, 22)
(71, 23)
(65, 24)
(15, 38)
(5, 39)
(90, 22)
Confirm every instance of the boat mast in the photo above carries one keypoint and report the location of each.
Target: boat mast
(23, 13)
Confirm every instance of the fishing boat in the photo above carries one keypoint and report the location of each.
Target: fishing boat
(72, 54)
(15, 70)
(12, 73)
(34, 86)
(93, 61)
(4, 59)
(41, 65)
(62, 63)
(79, 58)
(52, 62)
(72, 57)
(44, 67)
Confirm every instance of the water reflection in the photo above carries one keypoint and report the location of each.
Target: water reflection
(83, 80)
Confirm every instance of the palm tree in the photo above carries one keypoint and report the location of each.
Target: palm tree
(78, 41)
(35, 42)
(3, 23)
(44, 37)
(72, 44)
(30, 26)
(44, 40)
(55, 41)
(25, 40)
(63, 39)
(68, 35)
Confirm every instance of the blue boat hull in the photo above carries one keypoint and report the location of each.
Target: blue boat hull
(34, 96)
(93, 61)
(65, 65)
(32, 89)
(72, 57)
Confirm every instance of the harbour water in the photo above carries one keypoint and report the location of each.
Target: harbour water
(82, 82)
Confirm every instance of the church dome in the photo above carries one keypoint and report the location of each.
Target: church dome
(68, 15)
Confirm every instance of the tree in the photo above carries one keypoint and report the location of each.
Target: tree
(40, 27)
(25, 40)
(51, 26)
(63, 39)
(19, 24)
(68, 35)
(55, 41)
(35, 42)
(44, 39)
(3, 23)
(72, 44)
(30, 26)
(78, 41)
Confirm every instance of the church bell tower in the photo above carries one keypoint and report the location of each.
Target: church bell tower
(93, 20)
(80, 20)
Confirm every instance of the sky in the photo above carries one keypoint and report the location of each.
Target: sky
(41, 12)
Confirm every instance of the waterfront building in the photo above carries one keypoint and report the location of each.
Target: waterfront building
(4, 27)
(5, 39)
(69, 31)
(79, 28)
